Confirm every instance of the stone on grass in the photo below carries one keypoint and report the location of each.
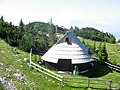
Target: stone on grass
(1, 64)
(1, 51)
(25, 59)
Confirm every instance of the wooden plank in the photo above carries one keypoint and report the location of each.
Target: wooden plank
(47, 74)
(114, 68)
(112, 65)
(86, 79)
(46, 70)
(84, 82)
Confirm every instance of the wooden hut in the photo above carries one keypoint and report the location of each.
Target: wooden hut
(68, 52)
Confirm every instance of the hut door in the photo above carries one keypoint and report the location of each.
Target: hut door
(64, 64)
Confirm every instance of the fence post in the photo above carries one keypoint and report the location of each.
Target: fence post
(88, 83)
(110, 86)
(30, 57)
(62, 82)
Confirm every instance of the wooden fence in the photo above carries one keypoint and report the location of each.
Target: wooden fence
(44, 70)
(76, 82)
(113, 67)
(94, 83)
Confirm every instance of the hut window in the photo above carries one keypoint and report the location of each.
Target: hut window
(67, 40)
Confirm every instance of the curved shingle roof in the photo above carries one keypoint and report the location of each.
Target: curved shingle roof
(76, 51)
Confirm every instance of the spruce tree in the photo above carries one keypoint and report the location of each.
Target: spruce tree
(102, 53)
(21, 34)
(21, 25)
(94, 48)
(2, 19)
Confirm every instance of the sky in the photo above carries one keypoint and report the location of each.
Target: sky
(103, 15)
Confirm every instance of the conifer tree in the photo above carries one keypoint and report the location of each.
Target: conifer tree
(21, 29)
(102, 53)
(93, 50)
(21, 36)
(2, 19)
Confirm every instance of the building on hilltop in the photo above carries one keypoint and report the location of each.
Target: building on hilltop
(68, 52)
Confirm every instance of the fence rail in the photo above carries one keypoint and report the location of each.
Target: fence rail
(89, 82)
(44, 70)
(113, 67)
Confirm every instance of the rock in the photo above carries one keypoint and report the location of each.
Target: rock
(19, 60)
(8, 85)
(14, 48)
(1, 51)
(16, 55)
(18, 75)
(7, 69)
(1, 64)
(25, 83)
(0, 79)
(25, 59)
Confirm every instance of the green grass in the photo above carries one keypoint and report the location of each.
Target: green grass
(1, 87)
(34, 80)
(100, 74)
(112, 49)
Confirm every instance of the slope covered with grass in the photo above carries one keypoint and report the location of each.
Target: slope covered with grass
(113, 50)
(15, 71)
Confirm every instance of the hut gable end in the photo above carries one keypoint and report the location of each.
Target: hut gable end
(73, 39)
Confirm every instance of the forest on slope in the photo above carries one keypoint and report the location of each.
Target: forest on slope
(41, 36)
(95, 35)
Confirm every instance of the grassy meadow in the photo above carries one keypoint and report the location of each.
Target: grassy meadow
(13, 60)
(113, 50)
